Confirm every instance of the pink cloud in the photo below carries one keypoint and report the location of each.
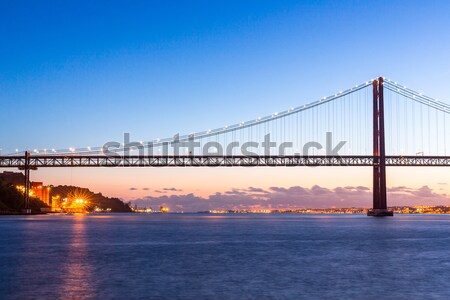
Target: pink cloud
(294, 197)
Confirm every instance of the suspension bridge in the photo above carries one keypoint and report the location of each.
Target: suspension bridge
(377, 124)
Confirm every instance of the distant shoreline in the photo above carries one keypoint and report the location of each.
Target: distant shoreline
(217, 213)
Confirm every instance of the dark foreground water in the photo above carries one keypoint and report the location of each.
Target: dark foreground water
(143, 256)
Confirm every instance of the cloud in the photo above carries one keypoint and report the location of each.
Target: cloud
(424, 192)
(292, 197)
(399, 189)
(256, 190)
(255, 198)
(317, 190)
(135, 189)
(361, 188)
(236, 192)
(172, 189)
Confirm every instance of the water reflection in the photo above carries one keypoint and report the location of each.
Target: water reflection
(140, 256)
(77, 269)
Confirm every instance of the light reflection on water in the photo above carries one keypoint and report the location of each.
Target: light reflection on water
(77, 269)
(195, 256)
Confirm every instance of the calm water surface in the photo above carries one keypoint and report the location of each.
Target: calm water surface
(139, 256)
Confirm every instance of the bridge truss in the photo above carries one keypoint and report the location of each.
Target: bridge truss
(217, 161)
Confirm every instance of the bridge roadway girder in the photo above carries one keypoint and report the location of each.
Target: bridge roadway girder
(216, 161)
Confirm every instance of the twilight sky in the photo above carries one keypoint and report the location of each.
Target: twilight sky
(77, 74)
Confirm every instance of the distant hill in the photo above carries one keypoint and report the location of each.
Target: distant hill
(11, 200)
(95, 199)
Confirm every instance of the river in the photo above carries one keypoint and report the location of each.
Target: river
(232, 256)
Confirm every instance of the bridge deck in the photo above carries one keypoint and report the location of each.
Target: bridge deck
(215, 161)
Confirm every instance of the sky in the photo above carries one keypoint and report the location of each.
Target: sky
(77, 74)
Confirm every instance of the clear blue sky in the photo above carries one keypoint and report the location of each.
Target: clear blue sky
(79, 73)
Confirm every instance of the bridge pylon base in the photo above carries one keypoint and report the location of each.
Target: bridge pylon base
(379, 212)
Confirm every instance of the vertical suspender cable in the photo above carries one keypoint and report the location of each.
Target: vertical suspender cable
(445, 138)
(429, 132)
(437, 132)
(406, 130)
(421, 129)
(413, 119)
